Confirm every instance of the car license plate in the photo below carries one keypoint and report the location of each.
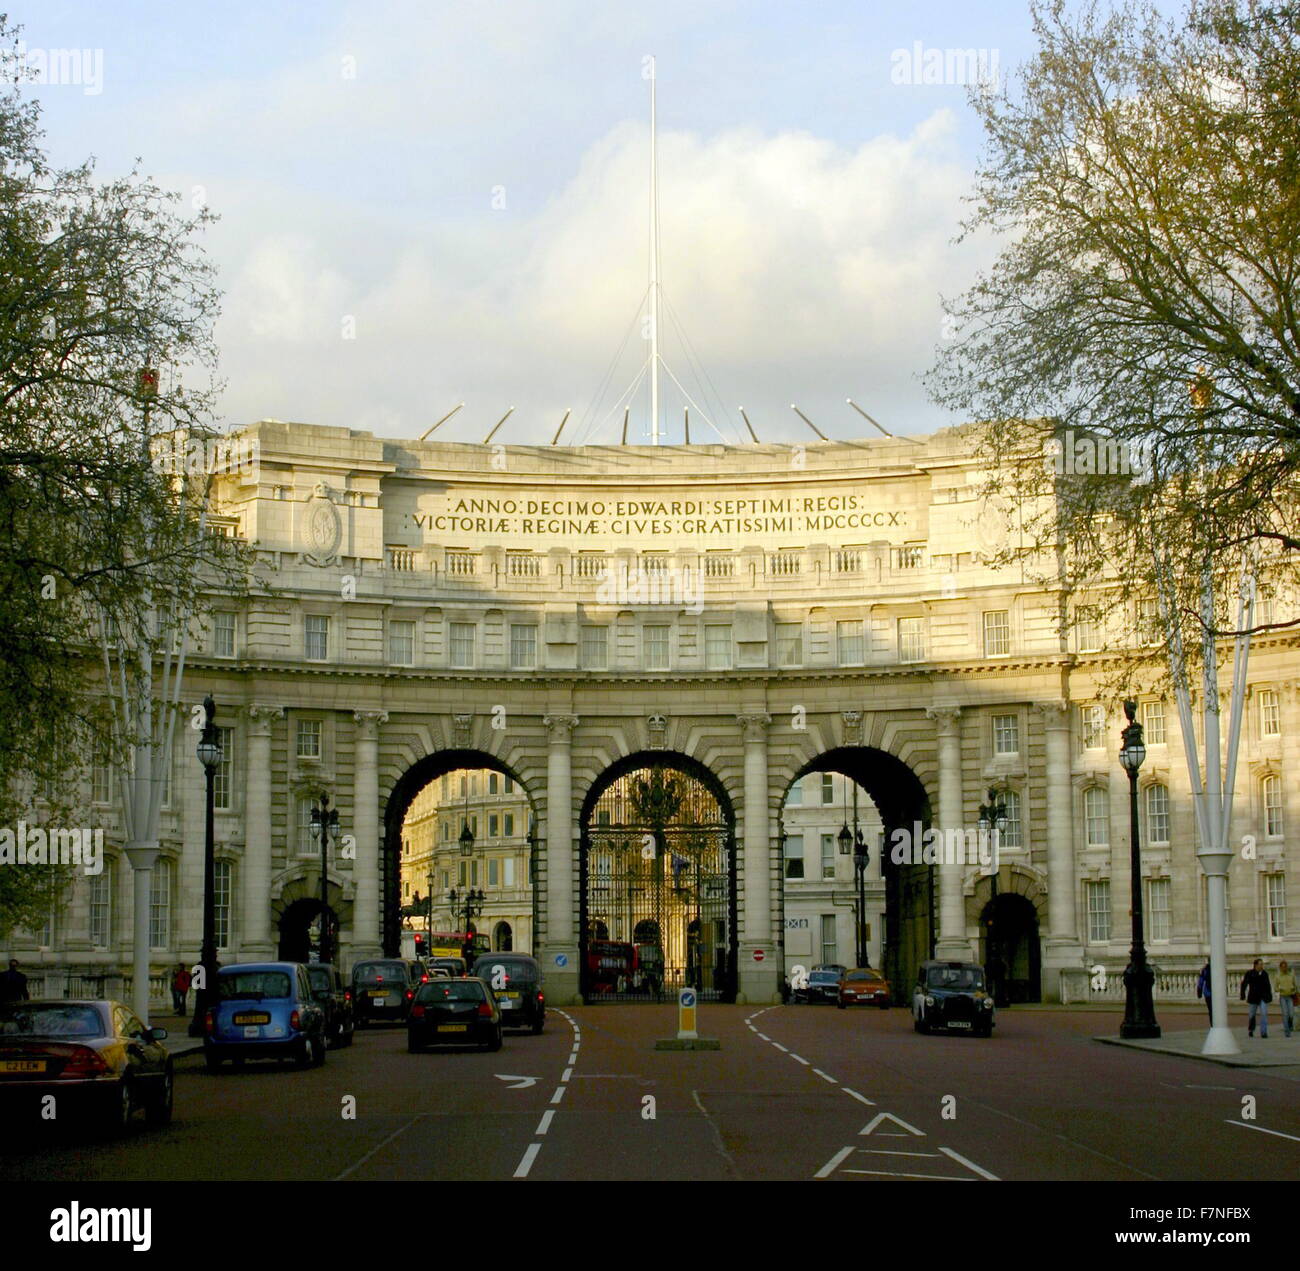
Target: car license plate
(958, 1023)
(252, 1017)
(512, 996)
(379, 995)
(453, 1028)
(252, 1030)
(22, 1065)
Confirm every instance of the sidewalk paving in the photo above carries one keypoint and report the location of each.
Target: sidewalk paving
(1273, 1051)
(178, 1041)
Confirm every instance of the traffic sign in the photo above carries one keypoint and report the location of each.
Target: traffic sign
(759, 955)
(686, 1000)
(561, 959)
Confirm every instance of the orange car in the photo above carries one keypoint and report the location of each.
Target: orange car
(862, 986)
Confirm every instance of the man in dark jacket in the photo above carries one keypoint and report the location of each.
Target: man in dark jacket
(13, 984)
(1257, 992)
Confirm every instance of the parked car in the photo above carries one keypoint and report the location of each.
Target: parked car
(382, 990)
(823, 986)
(863, 986)
(455, 1012)
(335, 996)
(516, 983)
(264, 1010)
(90, 1054)
(952, 996)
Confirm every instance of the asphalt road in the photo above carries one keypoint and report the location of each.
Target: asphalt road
(795, 1093)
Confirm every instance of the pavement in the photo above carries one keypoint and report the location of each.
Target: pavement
(1274, 1051)
(178, 1042)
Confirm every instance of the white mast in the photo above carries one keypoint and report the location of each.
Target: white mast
(654, 272)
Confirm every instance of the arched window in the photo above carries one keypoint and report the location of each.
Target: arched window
(1157, 814)
(1096, 817)
(502, 938)
(1271, 797)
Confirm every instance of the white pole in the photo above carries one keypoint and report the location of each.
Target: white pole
(654, 269)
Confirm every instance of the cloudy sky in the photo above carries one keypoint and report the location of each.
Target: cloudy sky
(427, 203)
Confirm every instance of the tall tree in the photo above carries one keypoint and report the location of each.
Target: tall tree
(106, 310)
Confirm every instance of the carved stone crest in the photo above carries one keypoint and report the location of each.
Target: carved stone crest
(657, 725)
(323, 529)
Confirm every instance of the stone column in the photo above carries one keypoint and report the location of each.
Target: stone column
(1060, 942)
(365, 818)
(253, 931)
(561, 935)
(758, 980)
(952, 941)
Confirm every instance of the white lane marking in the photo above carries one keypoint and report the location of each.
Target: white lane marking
(799, 1059)
(765, 1037)
(834, 1163)
(573, 1058)
(861, 1098)
(559, 1094)
(891, 1151)
(934, 1178)
(521, 1170)
(545, 1123)
(1245, 1125)
(958, 1157)
(568, 1072)
(780, 1047)
(419, 1116)
(870, 1127)
(825, 1076)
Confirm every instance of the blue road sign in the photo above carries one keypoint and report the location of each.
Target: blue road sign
(561, 959)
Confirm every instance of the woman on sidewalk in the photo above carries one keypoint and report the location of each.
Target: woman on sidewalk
(180, 988)
(1257, 992)
(1203, 989)
(1286, 994)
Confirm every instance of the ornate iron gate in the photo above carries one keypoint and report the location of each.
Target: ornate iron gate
(658, 902)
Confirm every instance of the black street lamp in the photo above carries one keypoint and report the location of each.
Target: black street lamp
(209, 752)
(324, 822)
(854, 841)
(1139, 979)
(993, 821)
(470, 904)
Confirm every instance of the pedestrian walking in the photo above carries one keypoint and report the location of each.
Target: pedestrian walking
(180, 988)
(1257, 992)
(1203, 989)
(1287, 996)
(13, 984)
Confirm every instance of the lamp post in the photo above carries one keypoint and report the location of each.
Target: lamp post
(324, 822)
(855, 841)
(428, 947)
(469, 904)
(993, 820)
(1139, 1005)
(209, 752)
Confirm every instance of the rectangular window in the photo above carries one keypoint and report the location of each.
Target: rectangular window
(1006, 734)
(1013, 835)
(1158, 908)
(223, 633)
(717, 646)
(828, 788)
(101, 908)
(1270, 722)
(318, 637)
(911, 639)
(473, 873)
(303, 825)
(523, 646)
(1272, 793)
(461, 644)
(849, 644)
(1098, 895)
(493, 782)
(1087, 629)
(828, 855)
(508, 877)
(223, 786)
(221, 877)
(464, 871)
(795, 798)
(830, 945)
(1092, 726)
(794, 856)
(655, 640)
(509, 824)
(493, 826)
(1153, 723)
(1096, 817)
(309, 733)
(1157, 814)
(789, 644)
(594, 651)
(997, 633)
(160, 903)
(508, 785)
(1275, 897)
(401, 643)
(494, 867)
(100, 786)
(1149, 625)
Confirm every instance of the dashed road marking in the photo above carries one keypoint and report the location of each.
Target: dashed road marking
(559, 1094)
(1245, 1125)
(825, 1076)
(861, 1098)
(781, 1048)
(799, 1059)
(545, 1123)
(934, 1178)
(521, 1170)
(568, 1072)
(834, 1163)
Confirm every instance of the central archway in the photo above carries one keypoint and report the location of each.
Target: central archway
(657, 882)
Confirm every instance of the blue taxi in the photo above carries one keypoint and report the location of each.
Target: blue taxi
(264, 1010)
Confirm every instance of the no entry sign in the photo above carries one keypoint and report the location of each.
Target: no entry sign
(759, 955)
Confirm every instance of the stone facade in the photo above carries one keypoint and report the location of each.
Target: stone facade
(762, 612)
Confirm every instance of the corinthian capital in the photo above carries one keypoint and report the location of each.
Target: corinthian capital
(947, 717)
(260, 719)
(1054, 714)
(368, 723)
(755, 725)
(560, 727)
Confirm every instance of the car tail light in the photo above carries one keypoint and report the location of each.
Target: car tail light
(209, 1022)
(409, 995)
(84, 1061)
(485, 1009)
(294, 1020)
(541, 997)
(347, 995)
(417, 1011)
(424, 979)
